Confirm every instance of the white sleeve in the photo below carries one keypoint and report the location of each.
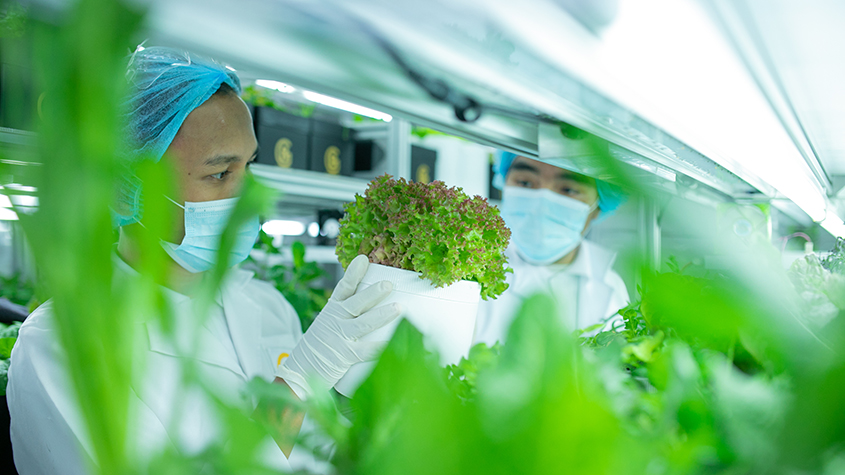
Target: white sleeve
(47, 429)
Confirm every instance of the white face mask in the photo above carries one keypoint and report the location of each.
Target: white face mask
(204, 225)
(545, 226)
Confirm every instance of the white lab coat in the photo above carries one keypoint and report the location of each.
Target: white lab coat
(587, 291)
(248, 327)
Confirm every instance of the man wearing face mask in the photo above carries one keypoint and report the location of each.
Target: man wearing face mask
(185, 110)
(549, 211)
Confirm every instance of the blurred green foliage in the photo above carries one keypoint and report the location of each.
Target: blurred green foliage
(462, 378)
(259, 96)
(298, 282)
(423, 132)
(709, 374)
(834, 261)
(821, 291)
(17, 289)
(80, 61)
(537, 410)
(673, 387)
(8, 336)
(263, 97)
(12, 21)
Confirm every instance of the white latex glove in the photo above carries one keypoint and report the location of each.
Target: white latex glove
(330, 346)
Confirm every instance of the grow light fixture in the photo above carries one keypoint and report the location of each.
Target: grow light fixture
(283, 227)
(19, 187)
(275, 85)
(25, 201)
(834, 225)
(347, 106)
(10, 205)
(313, 229)
(705, 96)
(7, 214)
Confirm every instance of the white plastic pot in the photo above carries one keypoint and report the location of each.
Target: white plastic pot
(445, 316)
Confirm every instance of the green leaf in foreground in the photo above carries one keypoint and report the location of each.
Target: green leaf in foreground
(4, 376)
(6, 345)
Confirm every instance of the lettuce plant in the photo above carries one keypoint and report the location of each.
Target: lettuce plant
(428, 228)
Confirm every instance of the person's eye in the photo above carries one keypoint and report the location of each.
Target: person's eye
(524, 184)
(570, 191)
(220, 176)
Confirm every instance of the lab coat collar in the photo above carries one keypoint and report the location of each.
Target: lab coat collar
(591, 262)
(236, 279)
(211, 351)
(125, 270)
(234, 282)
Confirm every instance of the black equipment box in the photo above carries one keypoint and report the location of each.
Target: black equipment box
(423, 162)
(283, 138)
(332, 149)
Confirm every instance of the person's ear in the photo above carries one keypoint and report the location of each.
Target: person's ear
(590, 218)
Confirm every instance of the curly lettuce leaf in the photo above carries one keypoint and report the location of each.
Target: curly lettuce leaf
(428, 228)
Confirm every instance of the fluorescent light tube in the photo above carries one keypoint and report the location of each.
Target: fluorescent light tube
(24, 200)
(19, 187)
(834, 225)
(313, 229)
(704, 96)
(275, 85)
(347, 106)
(8, 215)
(283, 227)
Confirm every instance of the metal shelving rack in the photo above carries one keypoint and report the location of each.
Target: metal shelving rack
(303, 186)
(372, 79)
(324, 48)
(16, 137)
(473, 47)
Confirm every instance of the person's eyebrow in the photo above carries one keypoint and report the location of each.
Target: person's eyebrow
(525, 167)
(227, 159)
(576, 177)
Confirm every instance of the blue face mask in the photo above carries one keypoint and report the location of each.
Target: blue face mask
(204, 225)
(545, 226)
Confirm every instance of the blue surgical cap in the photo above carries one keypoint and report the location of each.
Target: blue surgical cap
(165, 85)
(611, 196)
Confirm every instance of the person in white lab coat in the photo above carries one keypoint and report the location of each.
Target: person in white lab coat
(188, 107)
(549, 210)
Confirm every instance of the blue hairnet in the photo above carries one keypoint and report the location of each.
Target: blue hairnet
(501, 167)
(611, 196)
(165, 85)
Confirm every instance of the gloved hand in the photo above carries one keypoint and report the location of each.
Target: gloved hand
(331, 346)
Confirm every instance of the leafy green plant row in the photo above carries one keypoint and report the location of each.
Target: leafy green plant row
(8, 336)
(696, 377)
(299, 282)
(19, 290)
